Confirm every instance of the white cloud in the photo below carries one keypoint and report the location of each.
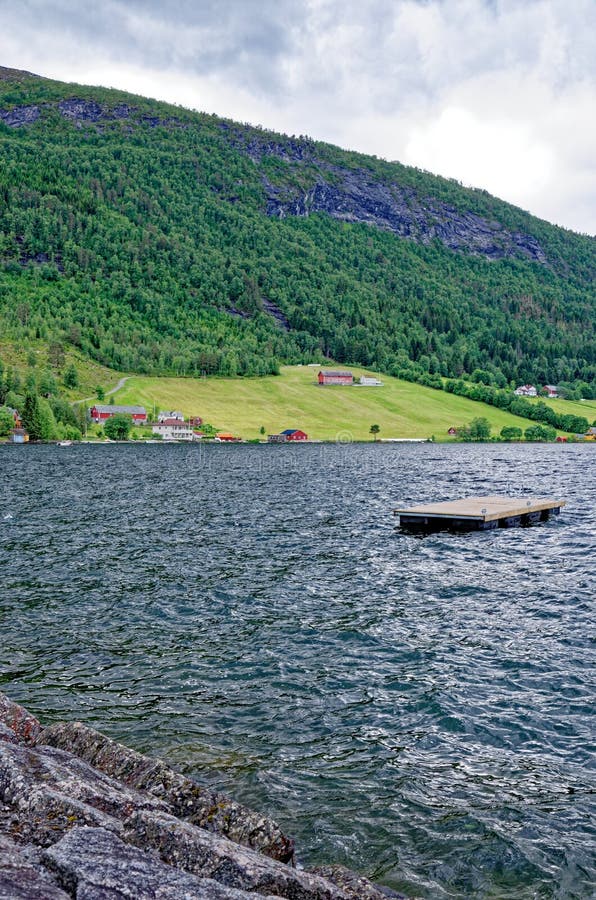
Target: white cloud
(500, 155)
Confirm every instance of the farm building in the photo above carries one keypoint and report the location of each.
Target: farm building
(526, 390)
(552, 391)
(330, 376)
(101, 413)
(171, 414)
(290, 434)
(368, 381)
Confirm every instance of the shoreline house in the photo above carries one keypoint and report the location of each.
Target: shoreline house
(173, 430)
(18, 436)
(100, 413)
(290, 434)
(526, 390)
(226, 437)
(172, 414)
(332, 376)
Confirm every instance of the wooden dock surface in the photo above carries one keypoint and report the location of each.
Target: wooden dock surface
(481, 509)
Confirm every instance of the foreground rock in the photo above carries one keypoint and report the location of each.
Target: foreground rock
(20, 879)
(93, 863)
(181, 796)
(83, 816)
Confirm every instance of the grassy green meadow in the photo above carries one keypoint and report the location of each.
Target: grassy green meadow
(295, 400)
(585, 408)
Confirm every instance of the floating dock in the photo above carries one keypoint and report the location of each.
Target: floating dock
(479, 513)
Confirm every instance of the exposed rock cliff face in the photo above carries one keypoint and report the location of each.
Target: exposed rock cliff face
(82, 816)
(20, 115)
(80, 111)
(358, 199)
(352, 195)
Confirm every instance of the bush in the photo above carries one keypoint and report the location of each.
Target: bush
(540, 433)
(117, 428)
(511, 433)
(478, 430)
(71, 377)
(6, 421)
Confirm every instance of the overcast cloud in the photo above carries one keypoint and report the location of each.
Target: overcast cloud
(500, 94)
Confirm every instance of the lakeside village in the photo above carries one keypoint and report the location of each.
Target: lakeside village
(116, 422)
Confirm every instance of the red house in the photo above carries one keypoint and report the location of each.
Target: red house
(290, 434)
(331, 376)
(101, 413)
(294, 434)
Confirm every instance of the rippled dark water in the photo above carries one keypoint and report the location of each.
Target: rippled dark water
(420, 709)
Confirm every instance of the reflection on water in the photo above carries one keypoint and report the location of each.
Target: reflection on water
(420, 709)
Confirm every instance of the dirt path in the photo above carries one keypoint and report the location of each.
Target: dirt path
(113, 390)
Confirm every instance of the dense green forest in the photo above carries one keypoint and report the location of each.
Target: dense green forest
(164, 241)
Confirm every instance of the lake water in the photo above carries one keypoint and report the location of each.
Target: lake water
(419, 709)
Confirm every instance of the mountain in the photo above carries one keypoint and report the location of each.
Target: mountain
(164, 241)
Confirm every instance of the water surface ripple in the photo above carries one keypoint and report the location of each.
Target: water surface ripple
(420, 709)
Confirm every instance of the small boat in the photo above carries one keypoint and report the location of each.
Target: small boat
(65, 443)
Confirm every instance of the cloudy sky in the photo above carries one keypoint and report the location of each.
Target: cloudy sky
(500, 94)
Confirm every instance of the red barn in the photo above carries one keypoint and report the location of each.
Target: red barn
(331, 376)
(294, 434)
(101, 413)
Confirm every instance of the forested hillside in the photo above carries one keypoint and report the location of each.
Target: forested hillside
(159, 240)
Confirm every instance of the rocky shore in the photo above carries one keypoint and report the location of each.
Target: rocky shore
(83, 816)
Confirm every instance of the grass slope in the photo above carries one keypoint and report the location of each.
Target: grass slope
(90, 373)
(585, 408)
(294, 400)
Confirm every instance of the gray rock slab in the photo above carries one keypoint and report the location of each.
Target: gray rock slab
(354, 885)
(52, 790)
(7, 734)
(20, 880)
(94, 864)
(195, 850)
(25, 726)
(19, 115)
(23, 768)
(184, 797)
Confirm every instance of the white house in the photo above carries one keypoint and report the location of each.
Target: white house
(174, 430)
(367, 381)
(526, 390)
(171, 414)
